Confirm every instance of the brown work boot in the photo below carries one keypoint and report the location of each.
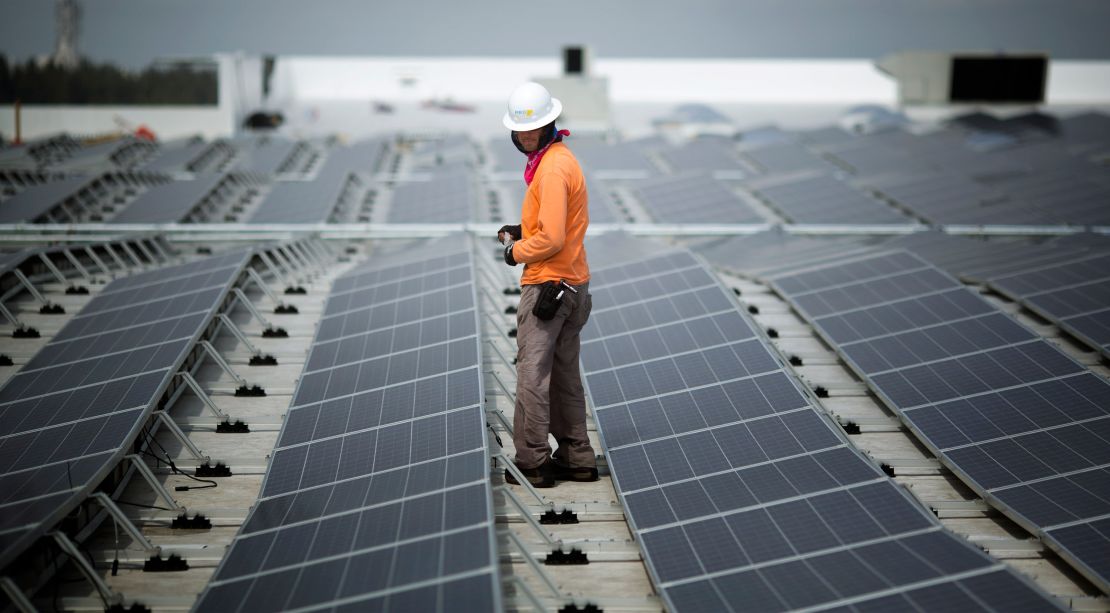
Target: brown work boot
(582, 474)
(540, 476)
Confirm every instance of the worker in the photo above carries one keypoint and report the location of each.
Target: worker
(554, 298)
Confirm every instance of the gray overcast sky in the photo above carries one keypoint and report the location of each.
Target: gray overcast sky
(132, 32)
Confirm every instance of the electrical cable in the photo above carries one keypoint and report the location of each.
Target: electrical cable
(173, 467)
(115, 560)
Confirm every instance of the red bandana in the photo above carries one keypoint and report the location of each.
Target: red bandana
(534, 158)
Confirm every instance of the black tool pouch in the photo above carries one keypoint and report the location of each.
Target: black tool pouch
(549, 301)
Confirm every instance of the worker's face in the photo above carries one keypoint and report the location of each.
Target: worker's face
(530, 140)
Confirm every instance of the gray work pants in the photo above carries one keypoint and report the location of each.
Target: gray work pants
(549, 393)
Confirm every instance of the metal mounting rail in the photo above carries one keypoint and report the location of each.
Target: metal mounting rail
(77, 264)
(58, 276)
(16, 595)
(84, 566)
(178, 434)
(31, 289)
(265, 287)
(234, 329)
(8, 315)
(121, 520)
(221, 362)
(156, 485)
(522, 509)
(204, 397)
(531, 560)
(512, 468)
(246, 302)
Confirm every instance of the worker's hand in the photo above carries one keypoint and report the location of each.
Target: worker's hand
(507, 234)
(509, 259)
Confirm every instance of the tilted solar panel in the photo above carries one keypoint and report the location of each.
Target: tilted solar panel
(743, 495)
(70, 414)
(377, 495)
(1020, 421)
(1074, 294)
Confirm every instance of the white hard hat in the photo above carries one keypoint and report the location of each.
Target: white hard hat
(531, 106)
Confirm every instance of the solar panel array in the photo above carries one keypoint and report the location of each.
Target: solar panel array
(1022, 423)
(377, 495)
(68, 416)
(741, 494)
(692, 198)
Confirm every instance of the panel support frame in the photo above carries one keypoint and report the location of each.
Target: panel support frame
(84, 566)
(148, 475)
(204, 397)
(121, 520)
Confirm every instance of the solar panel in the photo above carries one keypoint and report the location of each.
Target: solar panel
(596, 156)
(446, 196)
(823, 199)
(168, 203)
(693, 198)
(70, 413)
(36, 201)
(302, 201)
(1074, 294)
(704, 154)
(779, 157)
(363, 156)
(377, 494)
(175, 157)
(741, 494)
(948, 199)
(1021, 422)
(263, 154)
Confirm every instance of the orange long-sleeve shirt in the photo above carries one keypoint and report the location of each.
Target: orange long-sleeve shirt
(553, 221)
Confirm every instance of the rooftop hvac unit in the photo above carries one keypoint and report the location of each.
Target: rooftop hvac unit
(585, 97)
(968, 78)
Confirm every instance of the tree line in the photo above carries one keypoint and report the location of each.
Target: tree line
(35, 82)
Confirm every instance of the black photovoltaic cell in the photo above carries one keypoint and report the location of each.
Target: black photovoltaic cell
(1013, 415)
(741, 494)
(66, 417)
(377, 493)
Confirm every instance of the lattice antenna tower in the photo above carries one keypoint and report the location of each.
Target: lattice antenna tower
(68, 22)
